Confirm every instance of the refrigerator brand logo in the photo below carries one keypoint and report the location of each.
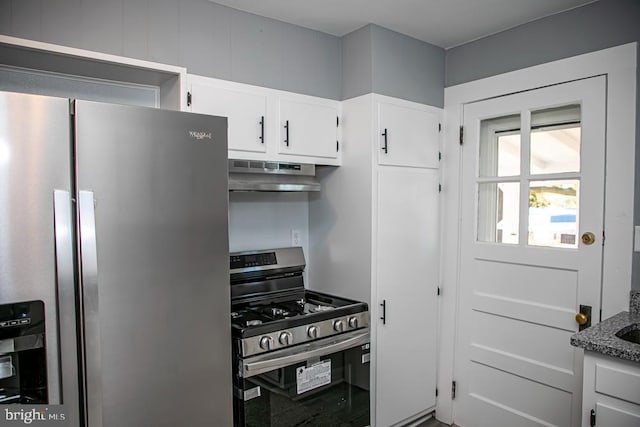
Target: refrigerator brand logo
(199, 135)
(31, 415)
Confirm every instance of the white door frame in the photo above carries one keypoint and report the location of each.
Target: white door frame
(619, 65)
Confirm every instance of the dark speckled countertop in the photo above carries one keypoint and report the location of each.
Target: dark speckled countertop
(602, 338)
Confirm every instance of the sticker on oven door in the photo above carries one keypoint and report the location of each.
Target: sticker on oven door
(313, 376)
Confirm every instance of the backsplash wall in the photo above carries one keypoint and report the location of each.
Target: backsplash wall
(265, 220)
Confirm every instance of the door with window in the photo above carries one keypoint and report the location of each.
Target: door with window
(531, 253)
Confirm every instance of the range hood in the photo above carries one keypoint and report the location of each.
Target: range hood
(255, 175)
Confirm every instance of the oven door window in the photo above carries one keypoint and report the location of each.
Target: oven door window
(328, 390)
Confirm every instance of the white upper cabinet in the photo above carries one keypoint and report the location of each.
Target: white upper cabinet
(257, 117)
(407, 134)
(309, 127)
(246, 112)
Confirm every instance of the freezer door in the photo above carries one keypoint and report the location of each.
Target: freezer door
(153, 202)
(36, 249)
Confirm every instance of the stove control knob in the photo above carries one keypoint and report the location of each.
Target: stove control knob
(312, 332)
(285, 338)
(266, 343)
(353, 322)
(338, 326)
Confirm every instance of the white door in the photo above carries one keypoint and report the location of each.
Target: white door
(408, 135)
(532, 187)
(308, 129)
(407, 281)
(246, 113)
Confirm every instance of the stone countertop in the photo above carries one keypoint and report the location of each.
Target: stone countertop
(602, 338)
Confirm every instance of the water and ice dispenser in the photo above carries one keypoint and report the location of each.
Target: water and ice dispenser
(23, 362)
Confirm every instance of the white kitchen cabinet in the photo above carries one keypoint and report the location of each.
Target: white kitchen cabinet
(308, 127)
(406, 269)
(246, 111)
(374, 237)
(269, 124)
(408, 134)
(611, 391)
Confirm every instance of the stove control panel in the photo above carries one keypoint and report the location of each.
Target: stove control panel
(252, 260)
(300, 334)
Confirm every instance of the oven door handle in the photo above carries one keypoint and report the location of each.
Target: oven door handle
(288, 356)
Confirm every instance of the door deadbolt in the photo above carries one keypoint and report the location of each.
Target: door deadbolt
(588, 238)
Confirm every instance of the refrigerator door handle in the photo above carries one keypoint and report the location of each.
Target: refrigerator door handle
(63, 238)
(65, 276)
(89, 286)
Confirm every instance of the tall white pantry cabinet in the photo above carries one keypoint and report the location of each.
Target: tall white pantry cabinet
(374, 237)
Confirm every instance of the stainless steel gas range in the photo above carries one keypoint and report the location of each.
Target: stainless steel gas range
(300, 357)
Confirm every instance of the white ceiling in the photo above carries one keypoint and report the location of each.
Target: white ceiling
(445, 23)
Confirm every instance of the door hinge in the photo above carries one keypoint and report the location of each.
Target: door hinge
(439, 188)
(337, 146)
(453, 390)
(188, 99)
(592, 418)
(436, 391)
(337, 121)
(461, 135)
(602, 237)
(439, 155)
(439, 290)
(439, 127)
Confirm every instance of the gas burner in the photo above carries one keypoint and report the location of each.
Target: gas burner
(277, 313)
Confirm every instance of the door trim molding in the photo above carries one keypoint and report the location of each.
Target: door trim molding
(619, 66)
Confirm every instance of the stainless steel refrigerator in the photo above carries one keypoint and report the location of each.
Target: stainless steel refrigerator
(114, 274)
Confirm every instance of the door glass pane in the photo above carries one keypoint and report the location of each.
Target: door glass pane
(555, 140)
(498, 212)
(500, 146)
(553, 213)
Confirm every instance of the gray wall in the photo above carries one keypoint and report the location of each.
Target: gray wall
(357, 63)
(206, 38)
(375, 59)
(217, 41)
(596, 26)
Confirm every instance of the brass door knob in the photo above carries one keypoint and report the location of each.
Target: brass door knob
(588, 238)
(581, 319)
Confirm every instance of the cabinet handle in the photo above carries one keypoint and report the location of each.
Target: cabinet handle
(384, 311)
(286, 139)
(385, 141)
(261, 137)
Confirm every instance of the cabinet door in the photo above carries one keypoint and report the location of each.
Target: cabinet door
(408, 136)
(611, 416)
(308, 128)
(246, 113)
(407, 275)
